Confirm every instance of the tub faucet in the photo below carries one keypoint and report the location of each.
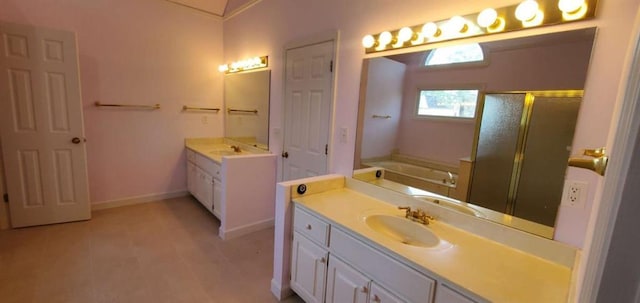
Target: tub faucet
(451, 179)
(235, 148)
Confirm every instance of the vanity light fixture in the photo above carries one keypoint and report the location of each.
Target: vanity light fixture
(244, 65)
(527, 14)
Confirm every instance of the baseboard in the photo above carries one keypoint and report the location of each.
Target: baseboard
(281, 292)
(245, 229)
(137, 200)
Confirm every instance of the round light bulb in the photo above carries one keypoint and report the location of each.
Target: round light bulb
(527, 10)
(223, 68)
(405, 34)
(457, 24)
(384, 38)
(487, 17)
(430, 30)
(368, 41)
(570, 6)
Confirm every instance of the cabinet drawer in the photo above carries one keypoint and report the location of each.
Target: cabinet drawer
(311, 226)
(405, 281)
(191, 156)
(208, 165)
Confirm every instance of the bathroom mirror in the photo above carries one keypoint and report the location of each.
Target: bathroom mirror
(438, 154)
(246, 98)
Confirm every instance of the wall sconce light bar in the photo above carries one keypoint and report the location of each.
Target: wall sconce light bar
(525, 15)
(244, 65)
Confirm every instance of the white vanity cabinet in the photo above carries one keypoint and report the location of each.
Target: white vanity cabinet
(201, 181)
(237, 187)
(356, 272)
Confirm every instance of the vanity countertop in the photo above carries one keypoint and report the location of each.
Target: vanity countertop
(216, 148)
(491, 270)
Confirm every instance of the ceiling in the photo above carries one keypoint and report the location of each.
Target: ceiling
(220, 8)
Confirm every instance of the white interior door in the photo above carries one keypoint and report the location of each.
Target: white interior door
(308, 91)
(41, 126)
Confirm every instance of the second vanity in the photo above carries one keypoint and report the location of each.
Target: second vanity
(233, 181)
(352, 245)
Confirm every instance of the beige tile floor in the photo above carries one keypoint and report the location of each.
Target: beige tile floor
(166, 251)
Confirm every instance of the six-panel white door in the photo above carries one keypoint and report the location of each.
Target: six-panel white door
(308, 91)
(41, 126)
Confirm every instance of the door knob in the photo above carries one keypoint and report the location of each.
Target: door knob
(76, 140)
(285, 154)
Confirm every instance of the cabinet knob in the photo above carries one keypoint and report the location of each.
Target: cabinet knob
(323, 260)
(309, 226)
(365, 289)
(376, 298)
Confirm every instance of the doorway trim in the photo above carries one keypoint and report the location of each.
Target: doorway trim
(317, 38)
(621, 143)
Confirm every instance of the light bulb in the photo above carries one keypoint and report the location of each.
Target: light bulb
(457, 24)
(487, 17)
(368, 41)
(405, 34)
(430, 30)
(572, 9)
(527, 10)
(223, 68)
(570, 6)
(384, 39)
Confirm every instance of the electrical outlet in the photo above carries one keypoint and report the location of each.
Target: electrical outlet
(574, 194)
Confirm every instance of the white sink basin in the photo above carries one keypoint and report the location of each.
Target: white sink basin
(454, 205)
(402, 230)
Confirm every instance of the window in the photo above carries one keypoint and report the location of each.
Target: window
(460, 103)
(455, 54)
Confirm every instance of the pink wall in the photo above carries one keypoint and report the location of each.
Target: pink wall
(520, 69)
(247, 34)
(384, 97)
(137, 52)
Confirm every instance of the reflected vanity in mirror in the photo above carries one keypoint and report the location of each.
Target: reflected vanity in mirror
(246, 97)
(498, 153)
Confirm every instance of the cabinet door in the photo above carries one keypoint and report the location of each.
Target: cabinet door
(380, 295)
(207, 191)
(191, 178)
(308, 269)
(217, 198)
(445, 294)
(345, 284)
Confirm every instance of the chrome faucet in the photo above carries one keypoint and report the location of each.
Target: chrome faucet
(417, 215)
(235, 148)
